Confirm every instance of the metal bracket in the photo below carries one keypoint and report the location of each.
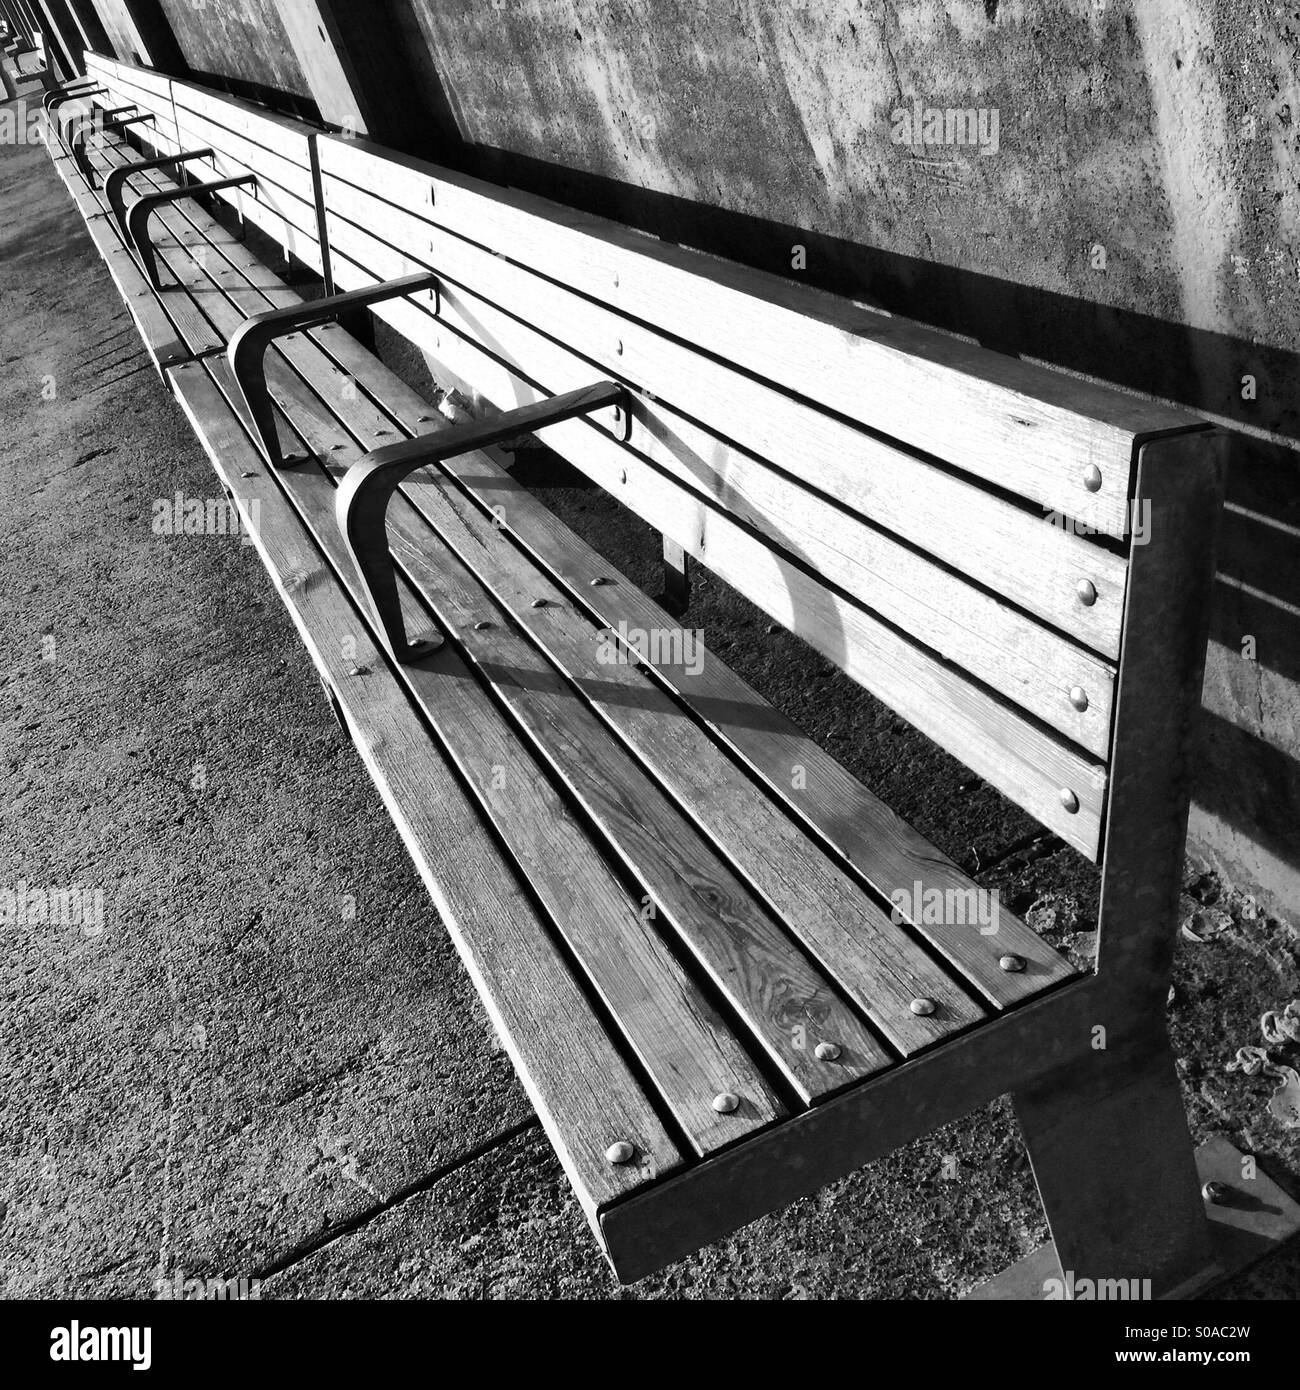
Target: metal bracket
(247, 351)
(361, 505)
(115, 183)
(138, 217)
(78, 145)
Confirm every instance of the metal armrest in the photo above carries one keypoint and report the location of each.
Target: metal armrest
(138, 217)
(57, 95)
(78, 145)
(115, 183)
(247, 350)
(361, 505)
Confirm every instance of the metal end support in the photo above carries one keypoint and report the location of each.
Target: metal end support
(361, 504)
(247, 350)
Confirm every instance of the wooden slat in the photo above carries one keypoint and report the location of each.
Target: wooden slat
(1021, 759)
(583, 1091)
(998, 544)
(1023, 427)
(748, 958)
(827, 797)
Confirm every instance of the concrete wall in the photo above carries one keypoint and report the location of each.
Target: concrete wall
(244, 39)
(1135, 218)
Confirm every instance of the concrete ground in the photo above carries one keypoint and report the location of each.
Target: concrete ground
(268, 1063)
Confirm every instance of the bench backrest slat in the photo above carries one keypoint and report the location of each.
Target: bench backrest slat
(279, 152)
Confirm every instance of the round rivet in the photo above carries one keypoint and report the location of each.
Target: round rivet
(1078, 697)
(598, 581)
(622, 1152)
(539, 603)
(618, 347)
(726, 1102)
(826, 1052)
(482, 627)
(1092, 478)
(1216, 1192)
(1069, 800)
(1013, 965)
(1087, 592)
(923, 1006)
(424, 419)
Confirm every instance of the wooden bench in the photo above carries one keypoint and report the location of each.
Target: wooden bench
(708, 948)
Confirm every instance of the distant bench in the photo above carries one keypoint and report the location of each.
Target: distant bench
(703, 942)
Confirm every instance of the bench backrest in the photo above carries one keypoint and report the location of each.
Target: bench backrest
(243, 138)
(946, 524)
(952, 527)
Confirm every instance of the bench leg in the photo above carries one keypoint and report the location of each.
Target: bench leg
(676, 597)
(1112, 1157)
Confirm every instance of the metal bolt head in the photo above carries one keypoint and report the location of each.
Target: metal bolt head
(924, 1007)
(618, 347)
(826, 1051)
(1216, 1193)
(598, 581)
(1069, 800)
(1086, 591)
(1013, 965)
(482, 626)
(621, 1152)
(1079, 697)
(539, 603)
(726, 1102)
(1092, 478)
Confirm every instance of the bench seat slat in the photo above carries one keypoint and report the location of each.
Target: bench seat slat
(579, 1084)
(861, 827)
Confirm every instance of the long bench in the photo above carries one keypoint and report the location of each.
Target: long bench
(709, 950)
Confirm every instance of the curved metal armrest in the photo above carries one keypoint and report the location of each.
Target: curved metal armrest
(138, 217)
(115, 183)
(361, 505)
(78, 144)
(247, 350)
(57, 95)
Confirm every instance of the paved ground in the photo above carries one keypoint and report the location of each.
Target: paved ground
(267, 1063)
